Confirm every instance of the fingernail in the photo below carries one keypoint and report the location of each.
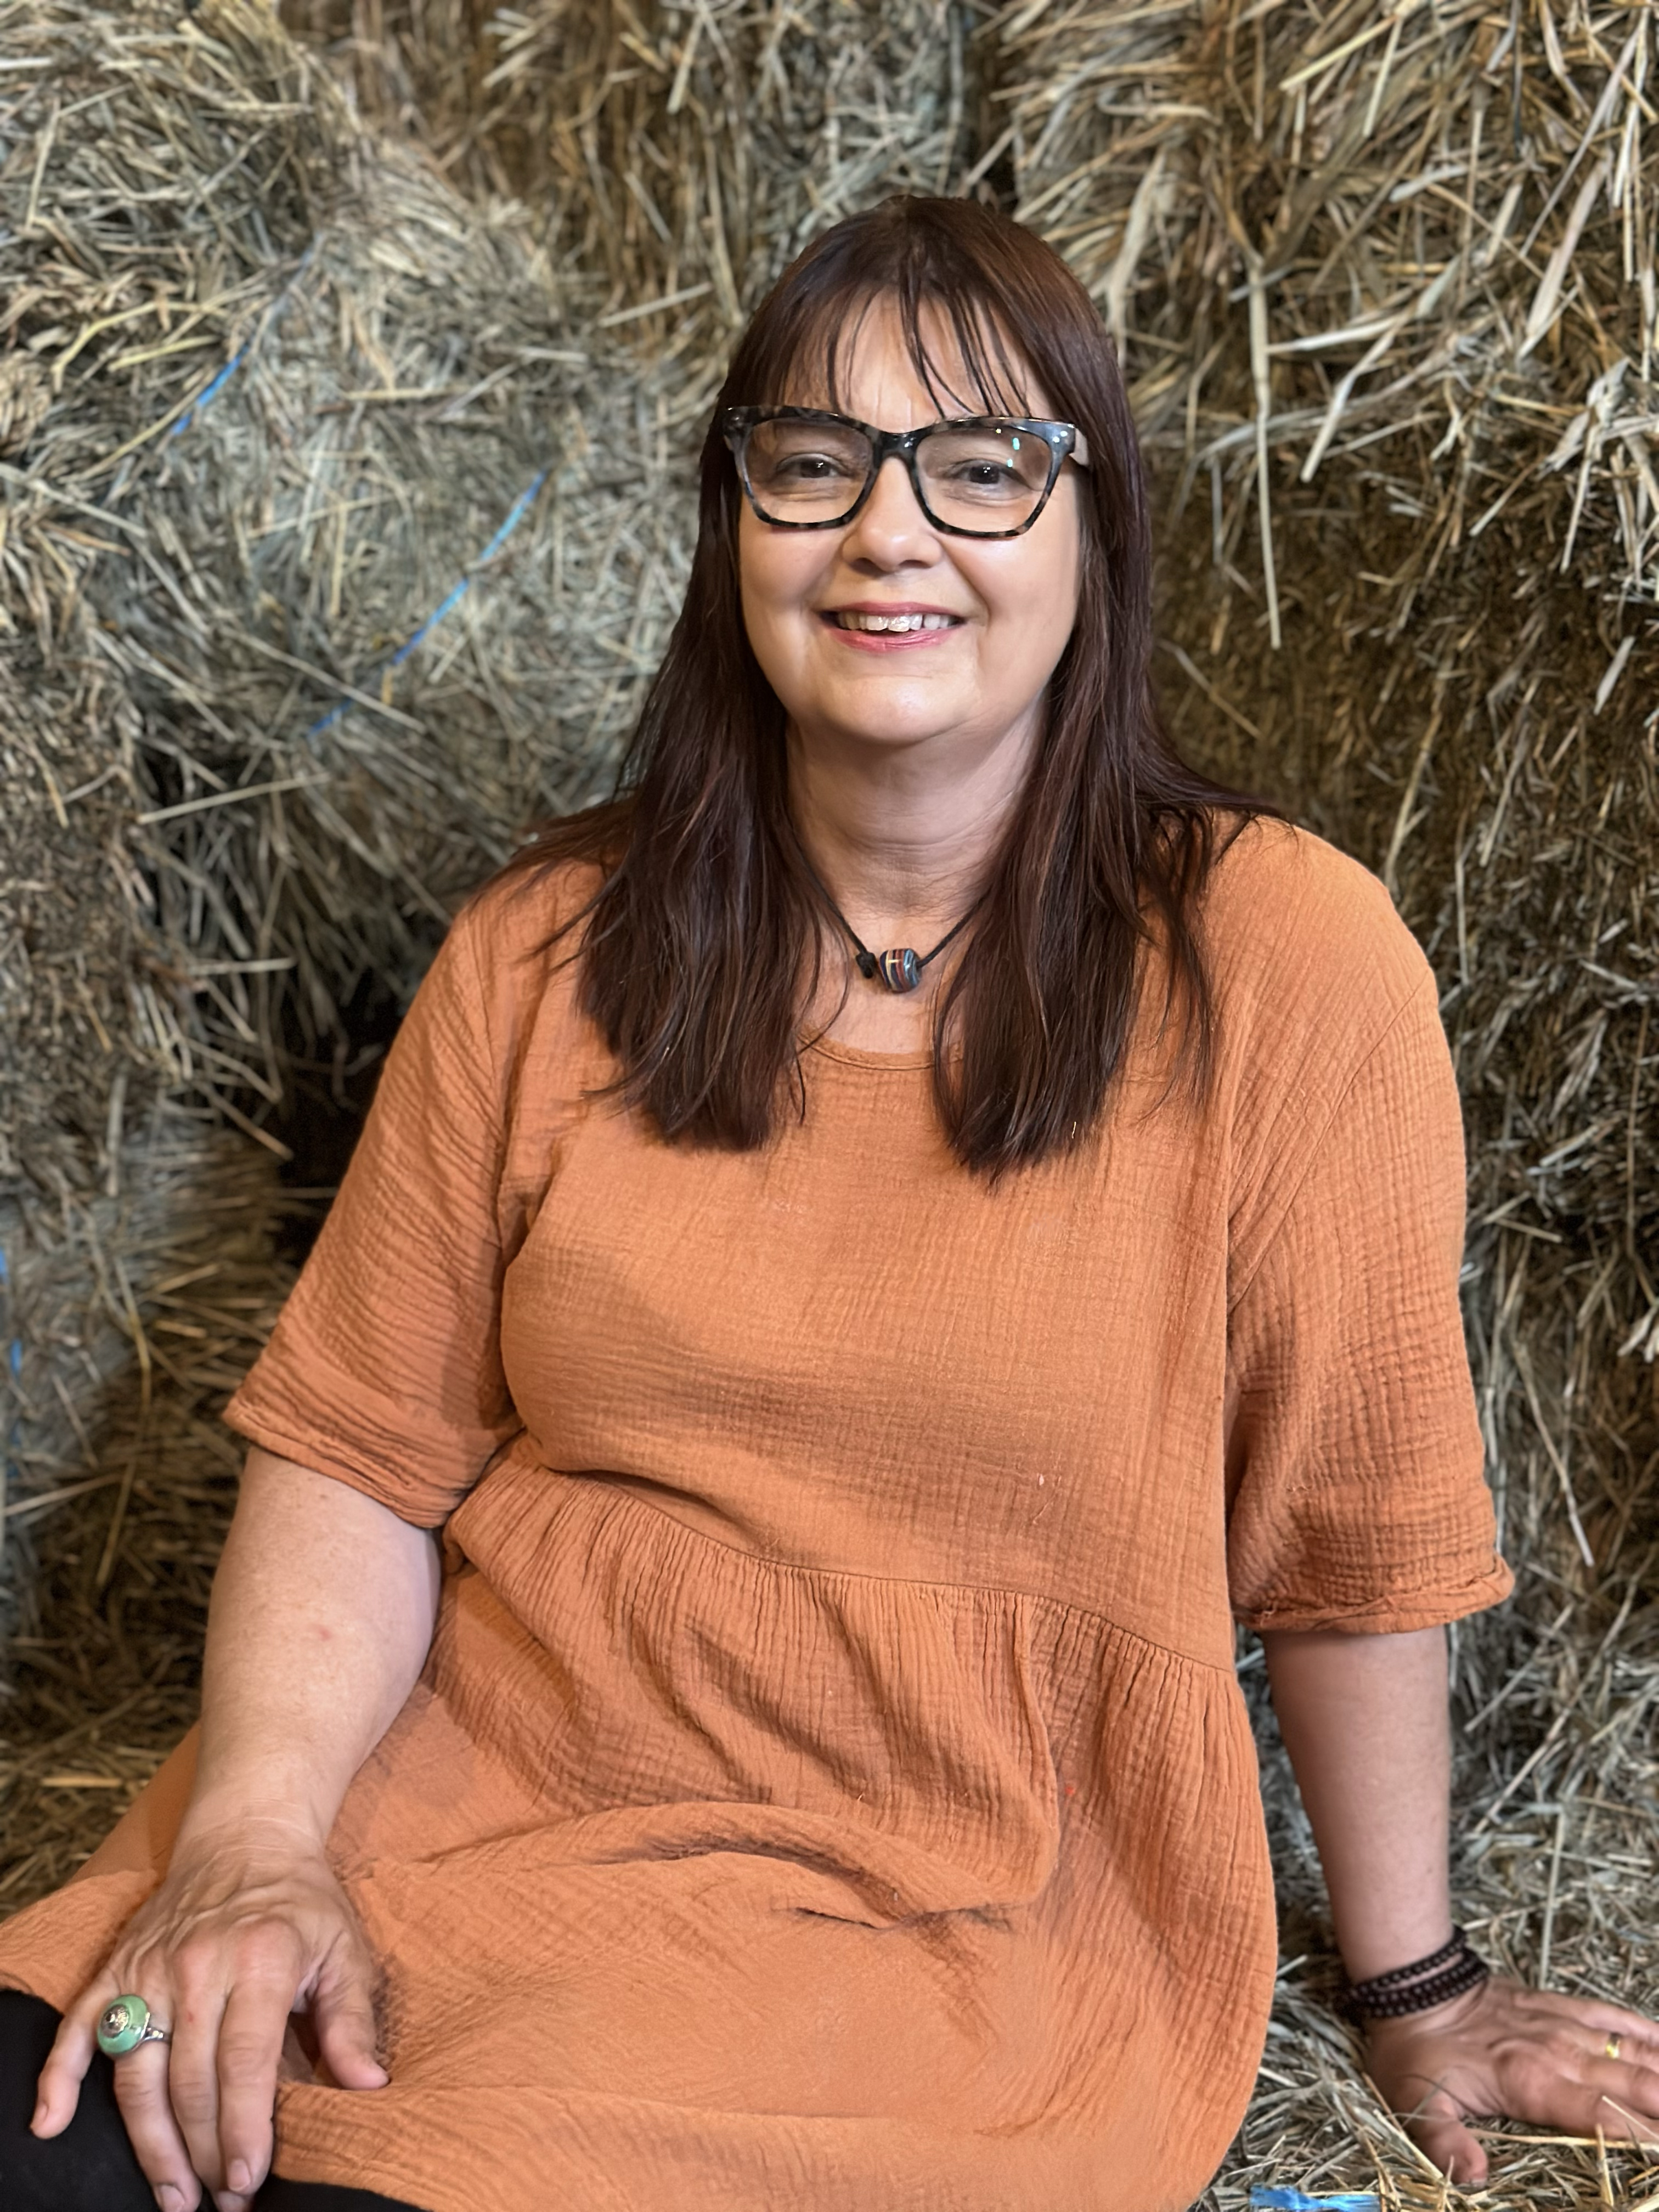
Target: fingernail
(169, 2198)
(240, 2177)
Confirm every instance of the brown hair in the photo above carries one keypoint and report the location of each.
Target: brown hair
(695, 946)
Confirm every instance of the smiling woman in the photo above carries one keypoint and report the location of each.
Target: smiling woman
(885, 453)
(858, 1391)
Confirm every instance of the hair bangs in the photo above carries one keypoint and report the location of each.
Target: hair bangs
(976, 371)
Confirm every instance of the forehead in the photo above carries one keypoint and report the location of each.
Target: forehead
(896, 368)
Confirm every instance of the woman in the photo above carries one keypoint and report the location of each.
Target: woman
(858, 1388)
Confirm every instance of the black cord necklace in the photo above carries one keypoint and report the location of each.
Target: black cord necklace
(900, 970)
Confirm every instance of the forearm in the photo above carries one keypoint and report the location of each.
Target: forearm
(1364, 1721)
(321, 1617)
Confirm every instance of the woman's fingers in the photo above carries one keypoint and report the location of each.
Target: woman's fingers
(221, 1954)
(143, 2094)
(1564, 2085)
(193, 2074)
(1439, 2132)
(1536, 2055)
(59, 2091)
(1627, 2099)
(1597, 2018)
(343, 2012)
(250, 2053)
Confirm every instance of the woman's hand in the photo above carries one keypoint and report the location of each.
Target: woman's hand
(1526, 2054)
(249, 1927)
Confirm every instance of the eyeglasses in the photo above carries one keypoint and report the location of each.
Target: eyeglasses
(977, 476)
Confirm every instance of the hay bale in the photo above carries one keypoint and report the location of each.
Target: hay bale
(304, 400)
(678, 151)
(71, 906)
(133, 1310)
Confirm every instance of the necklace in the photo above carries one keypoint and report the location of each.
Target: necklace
(901, 967)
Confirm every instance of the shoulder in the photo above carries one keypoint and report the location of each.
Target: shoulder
(1302, 939)
(1322, 996)
(521, 916)
(502, 982)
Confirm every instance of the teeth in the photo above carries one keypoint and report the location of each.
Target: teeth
(849, 621)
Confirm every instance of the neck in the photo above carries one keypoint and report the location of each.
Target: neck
(903, 841)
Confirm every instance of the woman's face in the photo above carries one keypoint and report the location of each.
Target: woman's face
(978, 680)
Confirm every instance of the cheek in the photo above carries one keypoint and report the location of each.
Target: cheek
(777, 573)
(1033, 607)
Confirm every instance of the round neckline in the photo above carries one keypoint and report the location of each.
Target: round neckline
(857, 1056)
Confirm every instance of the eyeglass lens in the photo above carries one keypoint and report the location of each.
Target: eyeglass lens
(978, 477)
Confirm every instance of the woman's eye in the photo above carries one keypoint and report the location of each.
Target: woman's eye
(809, 468)
(984, 475)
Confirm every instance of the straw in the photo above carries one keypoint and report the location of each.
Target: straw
(279, 381)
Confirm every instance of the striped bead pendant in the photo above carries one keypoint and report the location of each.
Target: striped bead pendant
(899, 969)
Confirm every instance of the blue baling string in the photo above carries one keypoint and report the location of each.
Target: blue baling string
(515, 515)
(1293, 2200)
(273, 314)
(203, 399)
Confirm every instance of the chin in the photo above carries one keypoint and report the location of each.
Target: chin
(892, 722)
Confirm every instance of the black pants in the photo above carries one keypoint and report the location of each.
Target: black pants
(90, 2167)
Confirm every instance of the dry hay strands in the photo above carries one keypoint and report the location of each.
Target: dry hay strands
(1418, 201)
(1412, 236)
(332, 489)
(129, 1312)
(683, 153)
(106, 318)
(1552, 1874)
(72, 904)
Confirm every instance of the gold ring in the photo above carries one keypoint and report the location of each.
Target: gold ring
(1613, 2045)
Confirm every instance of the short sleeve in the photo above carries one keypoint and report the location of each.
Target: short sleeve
(384, 1367)
(1357, 1497)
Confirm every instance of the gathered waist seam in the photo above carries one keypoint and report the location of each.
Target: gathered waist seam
(798, 1567)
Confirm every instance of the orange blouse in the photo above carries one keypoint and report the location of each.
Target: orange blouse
(828, 1786)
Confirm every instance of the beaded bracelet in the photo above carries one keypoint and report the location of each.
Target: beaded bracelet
(1446, 1974)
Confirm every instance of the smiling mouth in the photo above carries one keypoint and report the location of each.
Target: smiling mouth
(844, 620)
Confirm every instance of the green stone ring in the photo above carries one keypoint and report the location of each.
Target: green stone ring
(124, 2024)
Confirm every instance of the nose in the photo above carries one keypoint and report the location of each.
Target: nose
(890, 529)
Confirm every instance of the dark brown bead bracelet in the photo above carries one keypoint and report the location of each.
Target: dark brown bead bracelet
(1448, 1972)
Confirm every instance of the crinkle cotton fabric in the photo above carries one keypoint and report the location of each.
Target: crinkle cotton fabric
(830, 1786)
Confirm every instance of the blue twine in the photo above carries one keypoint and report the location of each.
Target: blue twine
(447, 605)
(515, 515)
(273, 314)
(212, 392)
(1293, 2200)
